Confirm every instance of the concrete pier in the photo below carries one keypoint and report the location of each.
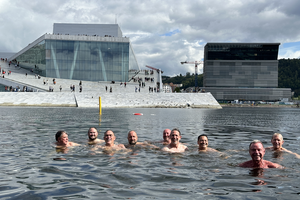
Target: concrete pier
(120, 96)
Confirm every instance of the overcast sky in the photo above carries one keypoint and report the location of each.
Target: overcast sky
(162, 32)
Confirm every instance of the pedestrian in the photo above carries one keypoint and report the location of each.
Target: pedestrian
(60, 88)
(110, 90)
(106, 88)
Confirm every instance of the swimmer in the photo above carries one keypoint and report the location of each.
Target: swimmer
(63, 141)
(166, 136)
(203, 144)
(109, 138)
(175, 146)
(93, 134)
(277, 142)
(257, 152)
(133, 141)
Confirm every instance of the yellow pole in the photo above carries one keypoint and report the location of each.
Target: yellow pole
(100, 108)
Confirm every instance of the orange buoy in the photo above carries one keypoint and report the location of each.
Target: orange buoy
(138, 113)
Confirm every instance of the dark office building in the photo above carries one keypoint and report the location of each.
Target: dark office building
(245, 71)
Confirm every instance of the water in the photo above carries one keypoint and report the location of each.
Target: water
(28, 170)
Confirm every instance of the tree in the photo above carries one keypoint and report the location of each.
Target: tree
(177, 89)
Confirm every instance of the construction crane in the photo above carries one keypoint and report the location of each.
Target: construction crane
(196, 70)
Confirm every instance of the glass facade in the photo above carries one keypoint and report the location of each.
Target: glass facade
(80, 60)
(241, 51)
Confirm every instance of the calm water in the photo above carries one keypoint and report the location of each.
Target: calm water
(28, 171)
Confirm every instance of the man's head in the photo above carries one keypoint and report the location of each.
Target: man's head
(203, 141)
(175, 136)
(132, 137)
(92, 133)
(256, 150)
(166, 135)
(62, 137)
(109, 137)
(277, 141)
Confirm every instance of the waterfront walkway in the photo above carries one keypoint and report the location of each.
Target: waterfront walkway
(120, 96)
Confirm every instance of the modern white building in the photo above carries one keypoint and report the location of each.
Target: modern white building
(92, 52)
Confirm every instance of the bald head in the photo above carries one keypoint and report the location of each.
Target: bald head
(92, 133)
(166, 135)
(132, 137)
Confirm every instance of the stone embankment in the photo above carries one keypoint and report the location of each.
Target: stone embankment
(120, 97)
(108, 100)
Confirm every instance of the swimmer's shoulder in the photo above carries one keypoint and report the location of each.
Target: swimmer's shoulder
(73, 144)
(272, 165)
(166, 148)
(269, 148)
(121, 146)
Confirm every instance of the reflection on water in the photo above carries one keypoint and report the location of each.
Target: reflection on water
(33, 169)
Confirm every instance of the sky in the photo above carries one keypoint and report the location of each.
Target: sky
(163, 33)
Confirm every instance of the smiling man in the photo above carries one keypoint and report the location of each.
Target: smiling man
(257, 152)
(63, 140)
(133, 141)
(93, 134)
(175, 146)
(277, 142)
(203, 144)
(109, 138)
(166, 136)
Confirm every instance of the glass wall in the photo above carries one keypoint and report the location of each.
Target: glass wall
(34, 59)
(241, 51)
(81, 60)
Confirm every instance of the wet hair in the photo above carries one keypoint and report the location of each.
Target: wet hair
(176, 129)
(201, 136)
(59, 133)
(277, 134)
(107, 131)
(255, 141)
(91, 128)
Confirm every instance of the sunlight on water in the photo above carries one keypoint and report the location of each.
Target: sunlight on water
(29, 171)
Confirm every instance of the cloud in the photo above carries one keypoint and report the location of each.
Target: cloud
(163, 33)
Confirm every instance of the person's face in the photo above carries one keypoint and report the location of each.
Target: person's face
(93, 134)
(132, 138)
(277, 142)
(109, 137)
(175, 137)
(166, 135)
(257, 151)
(63, 139)
(203, 142)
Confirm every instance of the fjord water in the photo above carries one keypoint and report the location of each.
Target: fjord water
(29, 171)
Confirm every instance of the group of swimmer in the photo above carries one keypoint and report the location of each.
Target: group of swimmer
(171, 142)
